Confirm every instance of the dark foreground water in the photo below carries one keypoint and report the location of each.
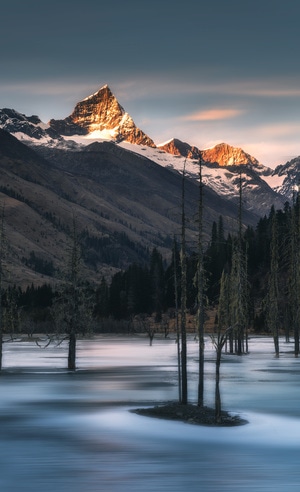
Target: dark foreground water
(74, 432)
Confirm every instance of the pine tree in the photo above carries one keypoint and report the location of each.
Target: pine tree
(239, 288)
(294, 273)
(238, 299)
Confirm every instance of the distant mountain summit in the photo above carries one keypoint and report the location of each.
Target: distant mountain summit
(288, 178)
(102, 116)
(226, 155)
(222, 154)
(26, 127)
(179, 148)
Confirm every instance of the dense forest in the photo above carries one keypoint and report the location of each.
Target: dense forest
(270, 293)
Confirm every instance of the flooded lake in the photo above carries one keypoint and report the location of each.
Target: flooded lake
(74, 432)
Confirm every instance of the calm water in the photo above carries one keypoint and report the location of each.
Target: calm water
(74, 432)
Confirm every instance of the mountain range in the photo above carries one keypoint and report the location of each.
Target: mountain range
(124, 190)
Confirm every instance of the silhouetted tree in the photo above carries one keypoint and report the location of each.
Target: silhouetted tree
(272, 298)
(72, 308)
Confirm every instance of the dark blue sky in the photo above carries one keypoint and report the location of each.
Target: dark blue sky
(202, 71)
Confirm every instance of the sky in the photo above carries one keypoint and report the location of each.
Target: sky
(203, 71)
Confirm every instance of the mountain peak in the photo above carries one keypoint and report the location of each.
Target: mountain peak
(226, 155)
(26, 127)
(104, 87)
(177, 147)
(102, 115)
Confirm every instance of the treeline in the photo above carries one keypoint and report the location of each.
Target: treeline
(150, 289)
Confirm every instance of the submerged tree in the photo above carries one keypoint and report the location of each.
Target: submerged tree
(72, 308)
(272, 310)
(218, 342)
(184, 388)
(224, 331)
(2, 253)
(200, 282)
(178, 340)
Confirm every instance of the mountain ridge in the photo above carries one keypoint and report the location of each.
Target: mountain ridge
(123, 193)
(100, 117)
(124, 204)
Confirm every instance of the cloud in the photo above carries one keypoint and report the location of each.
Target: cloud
(162, 86)
(280, 130)
(212, 115)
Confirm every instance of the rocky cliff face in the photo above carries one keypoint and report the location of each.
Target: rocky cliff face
(102, 113)
(223, 155)
(290, 178)
(30, 127)
(226, 155)
(177, 147)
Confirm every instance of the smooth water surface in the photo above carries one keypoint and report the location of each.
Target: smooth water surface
(64, 431)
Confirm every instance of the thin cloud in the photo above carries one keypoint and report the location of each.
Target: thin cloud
(141, 87)
(212, 115)
(283, 130)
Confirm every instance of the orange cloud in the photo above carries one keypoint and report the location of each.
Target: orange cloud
(213, 114)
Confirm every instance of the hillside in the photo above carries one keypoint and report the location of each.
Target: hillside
(124, 205)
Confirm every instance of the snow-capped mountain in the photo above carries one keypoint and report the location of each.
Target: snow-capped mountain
(29, 128)
(258, 195)
(288, 178)
(101, 116)
(179, 148)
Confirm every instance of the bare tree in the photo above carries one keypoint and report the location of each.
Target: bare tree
(145, 324)
(2, 253)
(72, 307)
(218, 342)
(184, 389)
(178, 339)
(271, 302)
(200, 278)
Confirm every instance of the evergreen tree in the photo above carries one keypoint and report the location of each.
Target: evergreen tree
(157, 281)
(294, 275)
(238, 300)
(238, 288)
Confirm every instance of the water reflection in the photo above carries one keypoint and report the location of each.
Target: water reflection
(74, 431)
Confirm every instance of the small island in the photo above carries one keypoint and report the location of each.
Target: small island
(191, 414)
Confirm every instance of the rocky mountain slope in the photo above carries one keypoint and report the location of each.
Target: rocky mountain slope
(124, 205)
(102, 115)
(124, 191)
(288, 178)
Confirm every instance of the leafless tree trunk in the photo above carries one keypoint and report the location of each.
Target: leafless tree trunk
(200, 274)
(183, 298)
(178, 340)
(2, 248)
(219, 343)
